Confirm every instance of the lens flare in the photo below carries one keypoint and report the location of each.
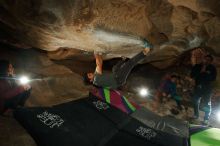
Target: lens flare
(218, 116)
(143, 92)
(24, 80)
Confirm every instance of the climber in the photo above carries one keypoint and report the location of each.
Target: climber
(11, 93)
(119, 73)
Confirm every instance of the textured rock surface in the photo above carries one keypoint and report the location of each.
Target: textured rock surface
(115, 27)
(51, 83)
(56, 82)
(70, 29)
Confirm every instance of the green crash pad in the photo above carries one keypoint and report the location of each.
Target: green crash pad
(209, 137)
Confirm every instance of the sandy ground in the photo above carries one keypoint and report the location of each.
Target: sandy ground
(13, 134)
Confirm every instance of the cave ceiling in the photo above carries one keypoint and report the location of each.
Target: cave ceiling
(114, 27)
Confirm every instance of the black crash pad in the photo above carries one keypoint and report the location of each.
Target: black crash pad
(89, 122)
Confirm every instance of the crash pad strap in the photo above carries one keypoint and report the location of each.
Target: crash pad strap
(209, 137)
(107, 95)
(115, 98)
(129, 104)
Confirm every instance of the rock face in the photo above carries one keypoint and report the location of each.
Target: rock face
(75, 28)
(115, 27)
(51, 83)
